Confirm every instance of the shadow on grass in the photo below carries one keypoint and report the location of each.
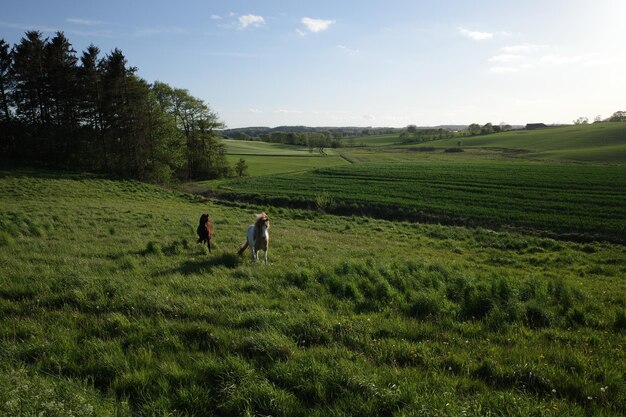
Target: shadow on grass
(16, 169)
(203, 266)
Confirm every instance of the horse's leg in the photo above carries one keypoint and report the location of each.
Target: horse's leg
(208, 242)
(254, 253)
(265, 256)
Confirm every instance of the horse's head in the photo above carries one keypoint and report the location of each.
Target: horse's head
(204, 219)
(262, 223)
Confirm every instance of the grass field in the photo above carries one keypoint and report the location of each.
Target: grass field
(102, 285)
(241, 147)
(582, 199)
(597, 143)
(271, 158)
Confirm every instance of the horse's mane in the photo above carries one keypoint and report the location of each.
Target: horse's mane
(260, 219)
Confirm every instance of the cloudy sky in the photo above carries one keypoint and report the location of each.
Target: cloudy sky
(360, 63)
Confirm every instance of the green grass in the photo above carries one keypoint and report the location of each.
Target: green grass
(242, 147)
(103, 285)
(583, 199)
(603, 143)
(374, 140)
(267, 165)
(597, 143)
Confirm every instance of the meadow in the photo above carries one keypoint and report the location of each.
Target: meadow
(108, 307)
(271, 158)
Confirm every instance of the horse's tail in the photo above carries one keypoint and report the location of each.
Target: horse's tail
(242, 248)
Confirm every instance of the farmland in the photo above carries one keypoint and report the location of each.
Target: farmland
(596, 143)
(107, 307)
(271, 158)
(588, 200)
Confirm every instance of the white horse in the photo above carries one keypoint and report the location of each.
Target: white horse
(258, 237)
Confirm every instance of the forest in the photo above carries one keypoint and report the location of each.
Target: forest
(95, 113)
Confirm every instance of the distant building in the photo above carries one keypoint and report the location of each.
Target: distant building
(535, 126)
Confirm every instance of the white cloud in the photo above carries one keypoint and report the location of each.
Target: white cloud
(216, 17)
(285, 111)
(477, 36)
(560, 59)
(348, 50)
(523, 48)
(503, 70)
(316, 25)
(251, 20)
(86, 22)
(506, 58)
(255, 111)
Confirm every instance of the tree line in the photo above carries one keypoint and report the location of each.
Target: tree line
(413, 134)
(96, 113)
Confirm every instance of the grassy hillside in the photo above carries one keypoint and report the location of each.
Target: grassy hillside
(594, 143)
(101, 284)
(580, 199)
(602, 143)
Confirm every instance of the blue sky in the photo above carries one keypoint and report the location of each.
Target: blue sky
(360, 63)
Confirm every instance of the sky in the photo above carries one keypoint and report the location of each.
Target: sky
(360, 63)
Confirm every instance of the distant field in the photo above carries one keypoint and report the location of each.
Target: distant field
(563, 198)
(375, 140)
(594, 143)
(265, 165)
(270, 158)
(601, 143)
(243, 147)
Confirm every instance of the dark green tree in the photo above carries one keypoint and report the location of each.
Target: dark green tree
(30, 92)
(618, 116)
(474, 129)
(6, 80)
(241, 167)
(6, 88)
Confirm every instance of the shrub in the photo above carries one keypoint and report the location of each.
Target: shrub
(453, 150)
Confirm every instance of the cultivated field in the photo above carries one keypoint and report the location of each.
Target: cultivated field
(568, 199)
(103, 287)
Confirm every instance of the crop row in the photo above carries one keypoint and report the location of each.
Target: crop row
(586, 200)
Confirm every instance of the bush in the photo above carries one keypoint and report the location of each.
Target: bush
(453, 150)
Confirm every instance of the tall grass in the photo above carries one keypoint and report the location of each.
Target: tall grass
(102, 285)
